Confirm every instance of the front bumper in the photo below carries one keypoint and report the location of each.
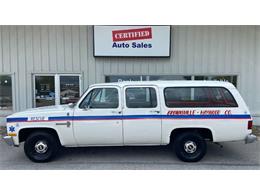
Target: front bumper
(250, 138)
(9, 140)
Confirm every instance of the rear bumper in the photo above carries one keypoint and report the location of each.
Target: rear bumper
(250, 138)
(9, 140)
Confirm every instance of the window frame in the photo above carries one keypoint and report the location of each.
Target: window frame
(56, 85)
(236, 106)
(156, 95)
(100, 87)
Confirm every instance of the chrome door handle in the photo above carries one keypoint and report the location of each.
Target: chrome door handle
(155, 111)
(66, 123)
(116, 112)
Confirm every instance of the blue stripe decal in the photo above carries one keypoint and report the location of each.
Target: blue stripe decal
(98, 117)
(141, 116)
(120, 117)
(162, 117)
(235, 116)
(20, 119)
(62, 118)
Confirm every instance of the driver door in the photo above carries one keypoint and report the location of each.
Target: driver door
(98, 118)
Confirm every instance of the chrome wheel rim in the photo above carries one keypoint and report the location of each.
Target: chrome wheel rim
(41, 147)
(190, 147)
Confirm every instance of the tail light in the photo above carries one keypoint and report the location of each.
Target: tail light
(249, 124)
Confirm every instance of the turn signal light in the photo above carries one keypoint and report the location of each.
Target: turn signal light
(250, 125)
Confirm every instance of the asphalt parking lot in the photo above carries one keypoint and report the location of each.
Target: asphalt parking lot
(233, 155)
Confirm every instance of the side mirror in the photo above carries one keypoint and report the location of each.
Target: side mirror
(86, 107)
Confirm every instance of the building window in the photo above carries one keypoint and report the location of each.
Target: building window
(56, 89)
(230, 78)
(6, 102)
(114, 78)
(69, 89)
(167, 77)
(44, 91)
(120, 78)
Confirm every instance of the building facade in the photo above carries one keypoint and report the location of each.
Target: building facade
(48, 65)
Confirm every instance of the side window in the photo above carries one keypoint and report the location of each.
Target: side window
(176, 97)
(223, 97)
(101, 98)
(141, 97)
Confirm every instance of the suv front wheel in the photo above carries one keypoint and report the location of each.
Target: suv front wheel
(41, 146)
(189, 146)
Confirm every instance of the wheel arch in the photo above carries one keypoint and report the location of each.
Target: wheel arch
(205, 132)
(25, 132)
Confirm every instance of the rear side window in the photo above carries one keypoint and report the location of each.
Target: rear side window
(141, 97)
(176, 97)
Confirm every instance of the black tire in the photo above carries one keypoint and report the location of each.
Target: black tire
(45, 138)
(184, 146)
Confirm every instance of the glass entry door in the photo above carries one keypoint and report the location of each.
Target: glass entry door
(44, 91)
(56, 89)
(6, 95)
(69, 89)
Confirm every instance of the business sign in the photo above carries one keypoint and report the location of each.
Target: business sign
(143, 41)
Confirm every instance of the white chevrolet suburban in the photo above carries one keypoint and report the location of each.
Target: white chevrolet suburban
(184, 114)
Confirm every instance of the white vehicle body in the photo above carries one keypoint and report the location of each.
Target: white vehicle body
(120, 126)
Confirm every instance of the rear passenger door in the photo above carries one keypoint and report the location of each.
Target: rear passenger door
(141, 115)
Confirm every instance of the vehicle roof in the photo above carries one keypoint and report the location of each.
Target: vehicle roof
(169, 83)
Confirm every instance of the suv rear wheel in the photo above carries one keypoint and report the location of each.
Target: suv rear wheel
(190, 146)
(41, 146)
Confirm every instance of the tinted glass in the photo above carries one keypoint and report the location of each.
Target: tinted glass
(168, 77)
(232, 79)
(141, 97)
(198, 97)
(122, 78)
(115, 78)
(69, 89)
(101, 98)
(6, 92)
(44, 91)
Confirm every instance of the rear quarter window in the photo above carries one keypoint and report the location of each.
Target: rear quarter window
(176, 97)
